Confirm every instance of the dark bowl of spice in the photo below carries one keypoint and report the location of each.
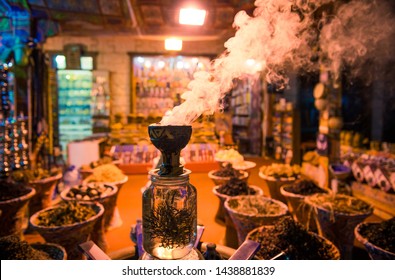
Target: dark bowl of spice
(14, 199)
(336, 218)
(104, 193)
(233, 187)
(225, 173)
(44, 182)
(303, 188)
(291, 239)
(68, 224)
(251, 211)
(340, 204)
(295, 194)
(378, 239)
(13, 248)
(55, 251)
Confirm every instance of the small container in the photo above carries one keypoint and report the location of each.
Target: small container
(211, 252)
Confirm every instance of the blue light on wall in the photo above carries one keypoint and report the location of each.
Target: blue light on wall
(15, 37)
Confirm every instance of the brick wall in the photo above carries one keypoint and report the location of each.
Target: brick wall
(113, 57)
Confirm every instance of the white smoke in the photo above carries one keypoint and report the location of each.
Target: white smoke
(360, 31)
(284, 34)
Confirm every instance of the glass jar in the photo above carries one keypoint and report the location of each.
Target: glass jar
(169, 216)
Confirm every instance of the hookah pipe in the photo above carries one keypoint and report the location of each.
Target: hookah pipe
(170, 140)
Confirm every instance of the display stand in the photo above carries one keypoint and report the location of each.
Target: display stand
(139, 159)
(384, 203)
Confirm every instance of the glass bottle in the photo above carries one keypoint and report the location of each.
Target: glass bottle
(169, 216)
(211, 252)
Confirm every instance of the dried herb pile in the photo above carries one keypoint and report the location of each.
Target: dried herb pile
(292, 238)
(255, 205)
(280, 170)
(227, 170)
(66, 214)
(304, 187)
(380, 234)
(106, 173)
(36, 174)
(89, 191)
(10, 190)
(230, 155)
(12, 248)
(340, 203)
(236, 186)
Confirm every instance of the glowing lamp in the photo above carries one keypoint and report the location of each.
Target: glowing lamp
(173, 44)
(191, 16)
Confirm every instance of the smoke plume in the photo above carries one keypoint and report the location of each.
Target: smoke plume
(360, 31)
(290, 34)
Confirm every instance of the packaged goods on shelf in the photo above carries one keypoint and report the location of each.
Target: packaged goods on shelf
(134, 158)
(374, 174)
(283, 133)
(377, 171)
(246, 116)
(159, 81)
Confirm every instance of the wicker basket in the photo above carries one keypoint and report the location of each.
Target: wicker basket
(69, 236)
(222, 216)
(221, 212)
(108, 201)
(375, 252)
(336, 226)
(44, 191)
(274, 185)
(300, 211)
(333, 251)
(55, 251)
(113, 220)
(245, 222)
(13, 213)
(218, 180)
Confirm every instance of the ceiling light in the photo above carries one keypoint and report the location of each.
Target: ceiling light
(192, 16)
(173, 44)
(60, 61)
